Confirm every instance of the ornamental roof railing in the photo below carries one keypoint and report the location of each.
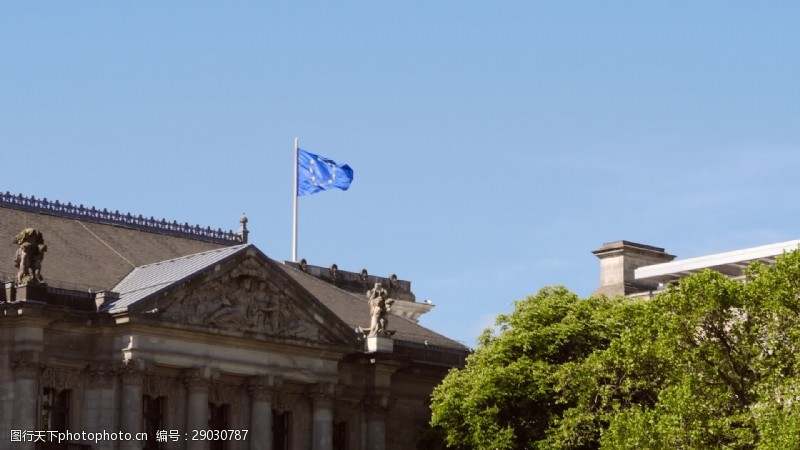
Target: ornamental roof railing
(116, 218)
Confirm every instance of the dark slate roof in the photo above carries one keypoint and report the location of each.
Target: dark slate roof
(354, 310)
(86, 255)
(152, 278)
(137, 263)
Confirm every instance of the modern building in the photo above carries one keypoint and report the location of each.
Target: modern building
(631, 269)
(116, 326)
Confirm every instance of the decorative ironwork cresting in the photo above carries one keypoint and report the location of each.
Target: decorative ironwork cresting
(117, 218)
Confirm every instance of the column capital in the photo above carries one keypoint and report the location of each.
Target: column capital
(286, 400)
(376, 405)
(60, 377)
(197, 378)
(102, 374)
(158, 385)
(133, 371)
(323, 394)
(262, 387)
(26, 364)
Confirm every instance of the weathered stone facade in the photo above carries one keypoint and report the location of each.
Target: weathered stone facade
(217, 339)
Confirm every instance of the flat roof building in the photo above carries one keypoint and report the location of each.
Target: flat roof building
(628, 268)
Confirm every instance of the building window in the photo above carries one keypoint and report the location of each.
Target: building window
(339, 435)
(218, 420)
(153, 420)
(55, 410)
(280, 430)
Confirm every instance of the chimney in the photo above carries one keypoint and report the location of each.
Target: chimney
(618, 260)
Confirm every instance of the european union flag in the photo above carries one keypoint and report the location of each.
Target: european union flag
(316, 173)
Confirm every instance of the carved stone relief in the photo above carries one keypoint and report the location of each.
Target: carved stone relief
(61, 378)
(26, 364)
(159, 386)
(263, 387)
(103, 374)
(242, 300)
(223, 393)
(198, 377)
(285, 400)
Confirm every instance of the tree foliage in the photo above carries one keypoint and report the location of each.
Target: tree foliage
(709, 363)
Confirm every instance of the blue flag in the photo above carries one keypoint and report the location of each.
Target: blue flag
(316, 173)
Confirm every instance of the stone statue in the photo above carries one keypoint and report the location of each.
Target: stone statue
(29, 256)
(379, 306)
(334, 271)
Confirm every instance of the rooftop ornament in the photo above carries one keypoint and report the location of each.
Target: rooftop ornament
(29, 256)
(334, 272)
(379, 306)
(127, 220)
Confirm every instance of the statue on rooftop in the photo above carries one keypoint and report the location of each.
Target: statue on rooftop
(379, 306)
(29, 256)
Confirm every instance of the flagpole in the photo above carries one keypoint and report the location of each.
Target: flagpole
(294, 230)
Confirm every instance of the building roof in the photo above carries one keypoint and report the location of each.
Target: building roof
(86, 251)
(357, 282)
(139, 259)
(729, 263)
(149, 279)
(354, 310)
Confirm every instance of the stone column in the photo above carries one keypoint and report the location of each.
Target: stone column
(376, 400)
(322, 416)
(302, 426)
(197, 382)
(26, 392)
(375, 414)
(100, 411)
(6, 396)
(261, 396)
(131, 403)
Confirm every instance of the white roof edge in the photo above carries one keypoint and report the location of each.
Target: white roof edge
(718, 259)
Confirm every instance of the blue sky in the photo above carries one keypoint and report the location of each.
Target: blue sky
(494, 144)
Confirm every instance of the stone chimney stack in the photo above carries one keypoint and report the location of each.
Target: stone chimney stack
(618, 260)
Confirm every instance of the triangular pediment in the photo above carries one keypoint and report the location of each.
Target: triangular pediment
(246, 293)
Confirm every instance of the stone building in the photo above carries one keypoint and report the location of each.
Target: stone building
(638, 270)
(184, 337)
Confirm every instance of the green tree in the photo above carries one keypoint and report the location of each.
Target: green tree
(709, 363)
(506, 395)
(724, 367)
